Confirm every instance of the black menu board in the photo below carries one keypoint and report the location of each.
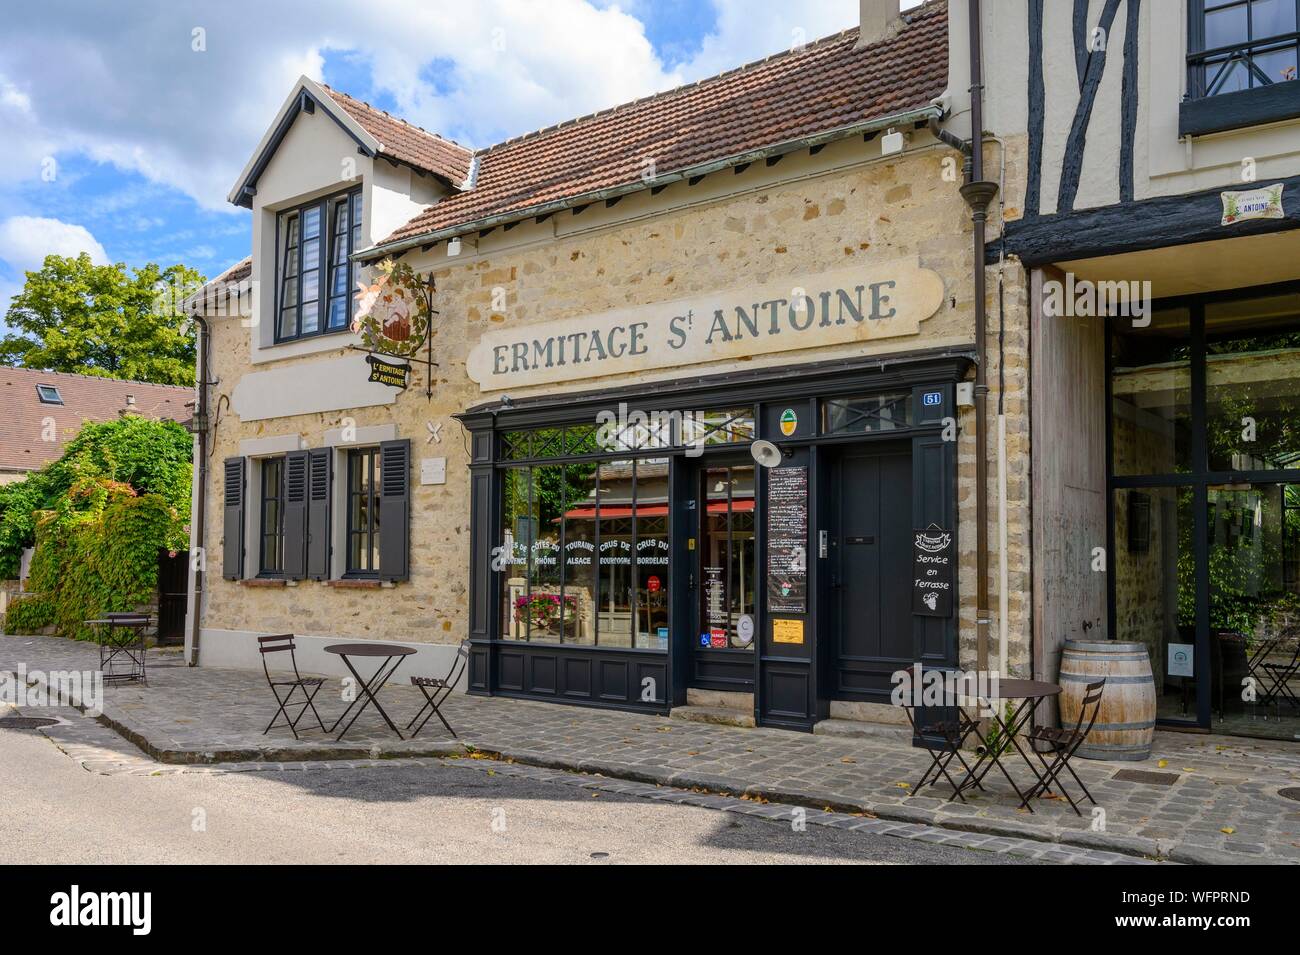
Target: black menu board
(787, 540)
(933, 558)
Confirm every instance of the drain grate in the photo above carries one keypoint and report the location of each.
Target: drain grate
(1147, 777)
(25, 722)
(1291, 793)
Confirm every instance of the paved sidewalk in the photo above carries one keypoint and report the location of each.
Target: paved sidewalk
(1223, 806)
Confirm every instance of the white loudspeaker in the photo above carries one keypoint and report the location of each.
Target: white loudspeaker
(766, 453)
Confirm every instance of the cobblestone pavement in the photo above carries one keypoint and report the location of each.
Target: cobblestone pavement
(1223, 806)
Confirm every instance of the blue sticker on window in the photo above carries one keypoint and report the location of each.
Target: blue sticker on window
(932, 398)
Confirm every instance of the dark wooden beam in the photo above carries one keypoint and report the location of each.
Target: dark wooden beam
(487, 231)
(1139, 226)
(579, 210)
(741, 168)
(694, 180)
(612, 202)
(814, 150)
(655, 190)
(773, 160)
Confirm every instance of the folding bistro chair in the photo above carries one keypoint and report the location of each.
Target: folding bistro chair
(941, 731)
(436, 690)
(1063, 742)
(1280, 675)
(309, 686)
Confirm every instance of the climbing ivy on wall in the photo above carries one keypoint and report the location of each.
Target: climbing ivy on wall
(98, 518)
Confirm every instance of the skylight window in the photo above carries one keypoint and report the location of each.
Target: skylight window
(49, 395)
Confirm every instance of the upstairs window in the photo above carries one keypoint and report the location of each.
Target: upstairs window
(315, 274)
(49, 395)
(1240, 45)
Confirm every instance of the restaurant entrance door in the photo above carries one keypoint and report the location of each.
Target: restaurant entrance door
(869, 557)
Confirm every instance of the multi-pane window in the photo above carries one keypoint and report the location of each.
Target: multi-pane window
(363, 512)
(316, 274)
(1242, 44)
(271, 559)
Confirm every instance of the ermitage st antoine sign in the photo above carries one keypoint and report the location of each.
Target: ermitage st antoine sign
(885, 300)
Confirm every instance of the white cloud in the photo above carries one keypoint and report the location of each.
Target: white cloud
(25, 241)
(122, 83)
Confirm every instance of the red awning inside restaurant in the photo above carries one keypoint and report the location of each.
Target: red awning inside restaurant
(613, 511)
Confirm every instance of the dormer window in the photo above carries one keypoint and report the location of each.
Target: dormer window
(49, 395)
(315, 274)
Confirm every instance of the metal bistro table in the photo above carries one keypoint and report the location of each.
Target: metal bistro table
(393, 656)
(120, 637)
(1026, 694)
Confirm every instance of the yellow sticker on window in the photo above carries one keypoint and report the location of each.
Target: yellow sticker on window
(787, 631)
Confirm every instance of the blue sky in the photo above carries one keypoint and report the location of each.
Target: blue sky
(129, 123)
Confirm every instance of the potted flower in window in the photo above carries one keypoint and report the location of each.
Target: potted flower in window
(542, 611)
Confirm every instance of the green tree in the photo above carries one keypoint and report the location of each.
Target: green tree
(89, 319)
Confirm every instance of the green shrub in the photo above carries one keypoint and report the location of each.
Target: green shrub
(28, 615)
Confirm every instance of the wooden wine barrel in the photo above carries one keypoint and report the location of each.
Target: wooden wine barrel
(1126, 722)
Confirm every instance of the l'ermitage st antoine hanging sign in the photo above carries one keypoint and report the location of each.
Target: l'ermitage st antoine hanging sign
(885, 300)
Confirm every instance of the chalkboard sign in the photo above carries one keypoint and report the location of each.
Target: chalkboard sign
(934, 555)
(787, 540)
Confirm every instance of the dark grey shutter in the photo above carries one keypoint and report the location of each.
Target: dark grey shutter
(295, 514)
(318, 514)
(232, 547)
(395, 509)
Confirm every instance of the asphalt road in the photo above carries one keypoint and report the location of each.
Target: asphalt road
(53, 810)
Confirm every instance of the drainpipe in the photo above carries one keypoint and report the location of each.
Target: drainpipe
(200, 428)
(978, 193)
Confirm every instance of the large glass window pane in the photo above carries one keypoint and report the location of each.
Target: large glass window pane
(871, 413)
(1278, 65)
(1272, 18)
(1155, 589)
(1252, 374)
(1254, 539)
(517, 533)
(727, 559)
(1226, 26)
(580, 554)
(652, 553)
(1151, 394)
(547, 609)
(614, 613)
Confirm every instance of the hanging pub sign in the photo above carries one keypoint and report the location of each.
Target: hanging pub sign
(933, 562)
(388, 372)
(787, 540)
(392, 312)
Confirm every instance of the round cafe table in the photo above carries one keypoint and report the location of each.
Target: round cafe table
(392, 657)
(976, 699)
(1024, 696)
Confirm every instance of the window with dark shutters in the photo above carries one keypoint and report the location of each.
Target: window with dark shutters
(395, 509)
(318, 513)
(295, 515)
(232, 549)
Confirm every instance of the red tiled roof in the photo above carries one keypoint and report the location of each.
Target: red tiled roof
(85, 398)
(825, 86)
(407, 143)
